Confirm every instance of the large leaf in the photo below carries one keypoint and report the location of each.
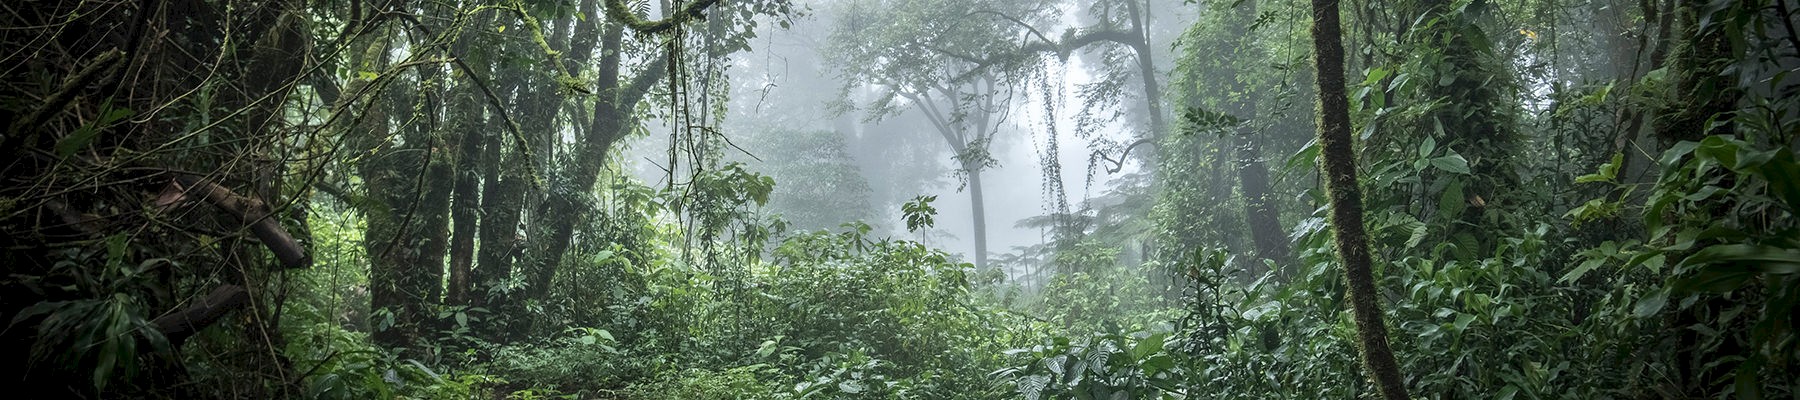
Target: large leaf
(1650, 305)
(1454, 163)
(1452, 201)
(1765, 259)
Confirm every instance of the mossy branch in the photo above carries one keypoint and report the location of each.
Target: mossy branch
(617, 11)
(64, 94)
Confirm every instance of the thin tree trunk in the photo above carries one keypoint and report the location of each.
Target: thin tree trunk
(1147, 70)
(1339, 167)
(978, 208)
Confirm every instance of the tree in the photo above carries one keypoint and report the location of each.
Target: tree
(929, 55)
(1468, 95)
(1339, 168)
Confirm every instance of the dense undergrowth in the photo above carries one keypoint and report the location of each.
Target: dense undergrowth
(846, 315)
(433, 200)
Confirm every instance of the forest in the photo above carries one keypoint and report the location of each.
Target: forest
(900, 199)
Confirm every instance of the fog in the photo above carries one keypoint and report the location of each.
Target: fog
(784, 83)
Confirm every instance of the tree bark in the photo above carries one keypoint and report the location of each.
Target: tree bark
(1262, 211)
(408, 192)
(248, 211)
(1339, 167)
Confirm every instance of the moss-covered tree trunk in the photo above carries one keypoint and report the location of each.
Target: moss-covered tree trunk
(408, 181)
(466, 111)
(1261, 210)
(614, 113)
(1339, 167)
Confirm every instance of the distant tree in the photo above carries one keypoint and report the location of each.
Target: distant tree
(932, 56)
(817, 184)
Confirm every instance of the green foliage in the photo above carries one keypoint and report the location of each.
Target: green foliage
(743, 382)
(99, 335)
(578, 361)
(1135, 365)
(918, 213)
(820, 186)
(344, 365)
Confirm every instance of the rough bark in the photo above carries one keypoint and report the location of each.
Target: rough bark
(613, 114)
(1339, 168)
(408, 189)
(1262, 210)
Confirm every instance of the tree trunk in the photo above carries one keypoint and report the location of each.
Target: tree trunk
(1339, 167)
(1261, 210)
(408, 186)
(178, 327)
(466, 209)
(1475, 118)
(978, 210)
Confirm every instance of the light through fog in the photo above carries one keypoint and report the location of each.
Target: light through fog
(784, 64)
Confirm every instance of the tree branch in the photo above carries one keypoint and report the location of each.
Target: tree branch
(248, 211)
(180, 326)
(617, 11)
(1119, 164)
(63, 95)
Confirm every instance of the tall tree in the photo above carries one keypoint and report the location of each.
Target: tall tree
(950, 60)
(1339, 167)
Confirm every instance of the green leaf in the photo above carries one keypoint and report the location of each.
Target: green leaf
(1671, 158)
(1582, 269)
(1650, 305)
(1452, 201)
(1427, 147)
(1419, 231)
(1454, 163)
(1463, 320)
(1306, 158)
(76, 141)
(1762, 256)
(1607, 172)
(1149, 345)
(1507, 393)
(851, 387)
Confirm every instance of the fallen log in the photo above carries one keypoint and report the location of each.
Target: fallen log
(178, 327)
(247, 210)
